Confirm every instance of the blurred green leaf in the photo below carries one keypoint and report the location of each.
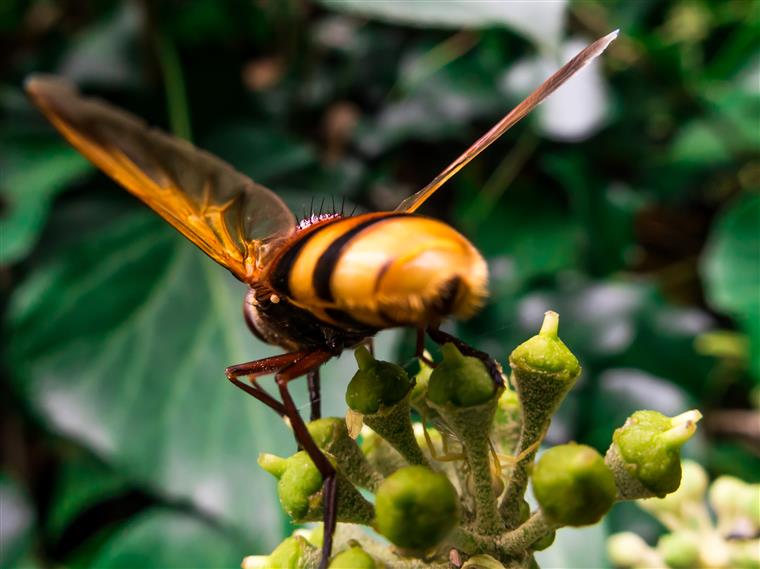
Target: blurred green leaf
(731, 269)
(541, 22)
(263, 153)
(16, 527)
(120, 341)
(165, 539)
(82, 482)
(33, 169)
(527, 237)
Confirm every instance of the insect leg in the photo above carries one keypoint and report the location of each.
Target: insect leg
(261, 367)
(493, 367)
(296, 369)
(314, 394)
(420, 349)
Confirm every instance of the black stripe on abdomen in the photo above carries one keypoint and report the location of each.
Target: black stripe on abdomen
(329, 258)
(280, 279)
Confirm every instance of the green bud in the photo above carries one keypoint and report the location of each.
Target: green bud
(543, 371)
(299, 487)
(627, 549)
(733, 499)
(645, 453)
(463, 394)
(544, 542)
(416, 508)
(546, 355)
(573, 485)
(376, 384)
(353, 558)
(293, 553)
(692, 490)
(316, 535)
(679, 550)
(460, 380)
(482, 561)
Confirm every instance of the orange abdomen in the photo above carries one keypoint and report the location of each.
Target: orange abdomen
(381, 270)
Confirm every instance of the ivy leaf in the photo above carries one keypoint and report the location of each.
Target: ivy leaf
(119, 341)
(731, 269)
(34, 168)
(163, 539)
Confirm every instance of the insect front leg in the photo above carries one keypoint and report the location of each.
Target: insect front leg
(298, 368)
(286, 368)
(493, 367)
(261, 367)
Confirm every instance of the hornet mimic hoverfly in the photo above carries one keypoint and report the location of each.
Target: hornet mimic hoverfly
(315, 287)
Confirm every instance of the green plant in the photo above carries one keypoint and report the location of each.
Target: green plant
(693, 539)
(452, 487)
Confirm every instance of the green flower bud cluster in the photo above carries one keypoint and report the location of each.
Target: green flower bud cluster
(449, 484)
(696, 541)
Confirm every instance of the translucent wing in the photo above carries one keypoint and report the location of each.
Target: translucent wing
(223, 212)
(414, 201)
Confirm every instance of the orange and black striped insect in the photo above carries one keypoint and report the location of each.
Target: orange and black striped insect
(315, 287)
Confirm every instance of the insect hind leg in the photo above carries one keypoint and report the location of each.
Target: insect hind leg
(494, 368)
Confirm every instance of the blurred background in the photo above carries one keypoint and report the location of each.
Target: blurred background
(628, 202)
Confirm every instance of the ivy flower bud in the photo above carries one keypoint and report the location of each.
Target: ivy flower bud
(573, 486)
(299, 487)
(376, 384)
(544, 369)
(645, 453)
(627, 549)
(416, 508)
(460, 380)
(734, 500)
(679, 550)
(544, 542)
(482, 561)
(353, 558)
(293, 553)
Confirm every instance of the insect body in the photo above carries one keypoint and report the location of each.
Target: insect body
(315, 288)
(369, 272)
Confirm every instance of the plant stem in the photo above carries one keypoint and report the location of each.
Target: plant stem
(174, 83)
(395, 426)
